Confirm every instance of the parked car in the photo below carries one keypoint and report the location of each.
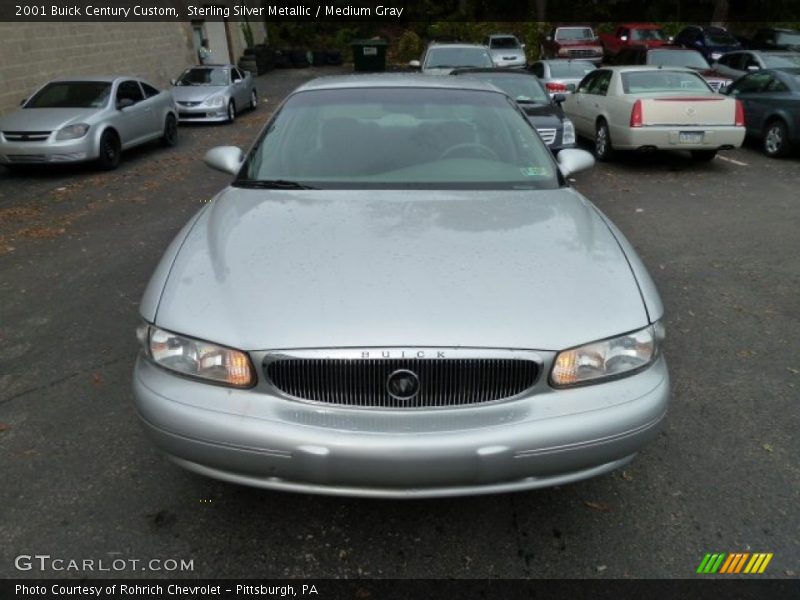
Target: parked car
(578, 42)
(401, 297)
(712, 42)
(654, 108)
(441, 59)
(86, 119)
(773, 38)
(625, 35)
(544, 112)
(673, 56)
(214, 93)
(506, 50)
(561, 75)
(771, 100)
(741, 62)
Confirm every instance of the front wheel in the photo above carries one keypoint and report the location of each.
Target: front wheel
(775, 140)
(110, 150)
(170, 137)
(603, 149)
(703, 155)
(231, 112)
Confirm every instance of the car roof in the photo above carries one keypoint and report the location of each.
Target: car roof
(455, 45)
(626, 68)
(493, 71)
(394, 80)
(100, 78)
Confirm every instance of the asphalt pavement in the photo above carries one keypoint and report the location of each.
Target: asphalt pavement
(80, 481)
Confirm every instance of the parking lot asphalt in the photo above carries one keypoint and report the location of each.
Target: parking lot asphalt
(80, 481)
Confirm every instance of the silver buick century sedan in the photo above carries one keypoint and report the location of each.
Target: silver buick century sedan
(214, 93)
(399, 295)
(91, 118)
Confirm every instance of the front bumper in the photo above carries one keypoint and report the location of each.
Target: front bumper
(202, 114)
(31, 153)
(547, 439)
(668, 137)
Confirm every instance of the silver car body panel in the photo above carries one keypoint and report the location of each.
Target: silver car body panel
(507, 57)
(137, 124)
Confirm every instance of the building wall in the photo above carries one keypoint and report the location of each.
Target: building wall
(33, 53)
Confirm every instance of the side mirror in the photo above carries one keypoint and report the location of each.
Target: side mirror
(173, 82)
(124, 103)
(623, 38)
(414, 64)
(522, 46)
(752, 68)
(671, 39)
(559, 98)
(549, 38)
(574, 161)
(227, 159)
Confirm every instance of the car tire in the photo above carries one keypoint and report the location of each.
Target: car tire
(603, 150)
(776, 139)
(703, 155)
(253, 99)
(110, 151)
(231, 112)
(170, 136)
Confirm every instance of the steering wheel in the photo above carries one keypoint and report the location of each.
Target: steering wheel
(470, 147)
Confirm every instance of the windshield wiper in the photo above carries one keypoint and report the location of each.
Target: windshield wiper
(273, 184)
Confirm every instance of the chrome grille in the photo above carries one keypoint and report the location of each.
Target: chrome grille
(187, 103)
(581, 53)
(363, 382)
(26, 136)
(548, 135)
(26, 158)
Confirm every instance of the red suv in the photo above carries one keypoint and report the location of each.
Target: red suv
(572, 41)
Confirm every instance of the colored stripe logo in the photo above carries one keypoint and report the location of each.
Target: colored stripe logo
(736, 562)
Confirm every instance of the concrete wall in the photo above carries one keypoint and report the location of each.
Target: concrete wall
(33, 53)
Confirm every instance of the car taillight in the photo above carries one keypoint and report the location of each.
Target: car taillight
(739, 114)
(636, 114)
(553, 86)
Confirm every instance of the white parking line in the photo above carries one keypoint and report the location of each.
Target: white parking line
(731, 160)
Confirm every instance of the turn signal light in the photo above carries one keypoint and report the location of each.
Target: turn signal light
(739, 114)
(636, 114)
(553, 86)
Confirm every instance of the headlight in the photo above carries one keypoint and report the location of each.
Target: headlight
(568, 134)
(607, 358)
(72, 132)
(215, 101)
(196, 358)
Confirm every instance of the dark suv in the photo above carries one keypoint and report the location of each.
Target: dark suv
(771, 38)
(711, 42)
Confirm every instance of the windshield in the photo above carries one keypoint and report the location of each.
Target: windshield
(401, 138)
(719, 38)
(645, 35)
(777, 61)
(677, 58)
(504, 42)
(71, 94)
(204, 76)
(576, 69)
(645, 82)
(440, 58)
(525, 89)
(565, 34)
(790, 38)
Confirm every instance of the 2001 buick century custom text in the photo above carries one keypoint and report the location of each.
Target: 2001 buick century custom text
(400, 296)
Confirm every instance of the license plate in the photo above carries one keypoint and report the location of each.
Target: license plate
(370, 51)
(690, 137)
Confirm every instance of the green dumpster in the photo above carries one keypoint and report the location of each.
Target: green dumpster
(369, 55)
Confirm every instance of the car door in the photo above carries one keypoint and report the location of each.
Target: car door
(577, 104)
(239, 90)
(135, 121)
(598, 98)
(749, 90)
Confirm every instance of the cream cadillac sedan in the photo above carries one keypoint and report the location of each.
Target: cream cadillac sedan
(654, 108)
(399, 295)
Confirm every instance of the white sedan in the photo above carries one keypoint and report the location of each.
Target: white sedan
(654, 108)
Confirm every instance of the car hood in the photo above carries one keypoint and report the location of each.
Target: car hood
(578, 44)
(45, 119)
(266, 269)
(438, 71)
(195, 93)
(543, 115)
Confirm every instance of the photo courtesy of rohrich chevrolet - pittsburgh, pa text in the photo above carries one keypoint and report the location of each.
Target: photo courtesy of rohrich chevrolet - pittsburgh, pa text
(399, 299)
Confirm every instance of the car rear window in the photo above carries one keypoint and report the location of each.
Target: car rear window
(401, 138)
(574, 69)
(644, 82)
(677, 58)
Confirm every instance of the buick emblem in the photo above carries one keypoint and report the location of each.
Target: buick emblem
(402, 384)
(690, 111)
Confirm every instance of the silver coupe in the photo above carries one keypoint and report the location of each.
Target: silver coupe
(87, 118)
(214, 93)
(399, 295)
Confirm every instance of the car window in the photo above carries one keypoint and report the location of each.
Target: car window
(71, 94)
(442, 58)
(750, 84)
(538, 69)
(235, 75)
(504, 42)
(401, 138)
(719, 37)
(677, 58)
(788, 37)
(149, 90)
(779, 61)
(524, 89)
(599, 85)
(570, 68)
(775, 85)
(130, 90)
(587, 82)
(574, 34)
(205, 76)
(645, 82)
(646, 35)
